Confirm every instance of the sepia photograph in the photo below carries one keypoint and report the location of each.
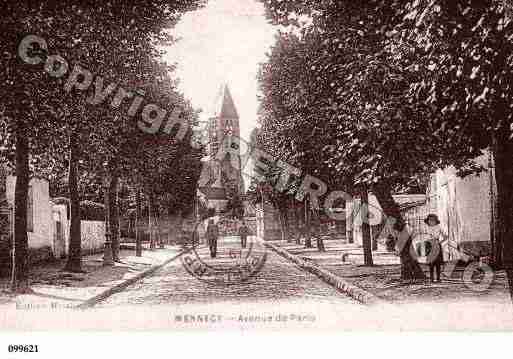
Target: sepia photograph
(255, 166)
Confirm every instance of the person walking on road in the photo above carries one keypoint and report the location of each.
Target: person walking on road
(212, 234)
(243, 234)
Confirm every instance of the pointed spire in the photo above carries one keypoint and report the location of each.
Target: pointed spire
(224, 105)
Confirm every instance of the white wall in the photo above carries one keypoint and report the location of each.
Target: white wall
(42, 234)
(93, 232)
(464, 206)
(93, 236)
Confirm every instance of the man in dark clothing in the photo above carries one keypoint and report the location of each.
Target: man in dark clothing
(212, 234)
(195, 237)
(243, 234)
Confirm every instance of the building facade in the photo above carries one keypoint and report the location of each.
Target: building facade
(47, 224)
(40, 225)
(464, 206)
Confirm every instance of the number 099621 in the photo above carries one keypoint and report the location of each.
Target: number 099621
(22, 349)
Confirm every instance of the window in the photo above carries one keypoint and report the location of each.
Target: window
(30, 210)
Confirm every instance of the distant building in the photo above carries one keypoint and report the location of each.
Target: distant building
(221, 177)
(268, 221)
(250, 216)
(376, 216)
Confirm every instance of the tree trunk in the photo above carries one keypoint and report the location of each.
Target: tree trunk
(150, 223)
(171, 226)
(282, 225)
(286, 229)
(496, 254)
(391, 214)
(138, 236)
(74, 263)
(387, 203)
(366, 235)
(19, 279)
(318, 233)
(297, 220)
(503, 153)
(350, 216)
(308, 225)
(159, 230)
(374, 237)
(114, 215)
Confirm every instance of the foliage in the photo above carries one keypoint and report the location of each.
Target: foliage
(62, 129)
(395, 89)
(92, 211)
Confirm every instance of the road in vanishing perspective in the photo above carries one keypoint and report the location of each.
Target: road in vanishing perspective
(278, 295)
(279, 282)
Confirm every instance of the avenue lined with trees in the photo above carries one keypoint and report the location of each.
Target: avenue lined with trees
(76, 138)
(375, 95)
(367, 97)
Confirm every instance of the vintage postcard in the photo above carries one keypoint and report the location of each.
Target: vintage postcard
(266, 165)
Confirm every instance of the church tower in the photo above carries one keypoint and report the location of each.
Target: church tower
(225, 177)
(224, 120)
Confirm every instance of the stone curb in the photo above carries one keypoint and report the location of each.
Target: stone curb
(332, 279)
(91, 302)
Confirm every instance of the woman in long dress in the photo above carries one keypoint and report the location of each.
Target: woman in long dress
(410, 268)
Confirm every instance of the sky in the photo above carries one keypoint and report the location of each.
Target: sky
(222, 43)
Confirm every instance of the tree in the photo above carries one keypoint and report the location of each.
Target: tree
(33, 102)
(463, 51)
(424, 77)
(22, 89)
(350, 93)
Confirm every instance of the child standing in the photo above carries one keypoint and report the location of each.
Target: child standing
(433, 247)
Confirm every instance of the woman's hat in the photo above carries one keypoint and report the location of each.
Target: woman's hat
(432, 216)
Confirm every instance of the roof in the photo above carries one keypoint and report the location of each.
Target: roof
(224, 106)
(408, 205)
(408, 198)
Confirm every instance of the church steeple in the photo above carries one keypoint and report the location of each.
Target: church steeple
(223, 180)
(224, 105)
(224, 120)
